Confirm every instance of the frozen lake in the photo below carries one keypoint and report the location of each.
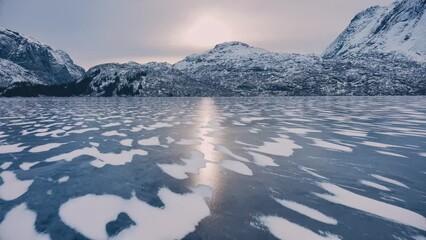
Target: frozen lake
(213, 168)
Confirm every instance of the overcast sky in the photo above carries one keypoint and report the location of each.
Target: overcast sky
(99, 31)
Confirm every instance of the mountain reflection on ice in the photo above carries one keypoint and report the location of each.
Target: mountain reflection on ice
(213, 168)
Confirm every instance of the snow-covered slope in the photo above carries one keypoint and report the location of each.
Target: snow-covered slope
(33, 62)
(399, 28)
(11, 73)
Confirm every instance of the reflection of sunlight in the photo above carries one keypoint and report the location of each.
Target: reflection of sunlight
(207, 118)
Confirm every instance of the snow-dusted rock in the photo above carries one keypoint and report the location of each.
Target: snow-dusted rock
(24, 59)
(399, 28)
(133, 79)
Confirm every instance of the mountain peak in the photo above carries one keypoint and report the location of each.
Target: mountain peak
(399, 28)
(231, 44)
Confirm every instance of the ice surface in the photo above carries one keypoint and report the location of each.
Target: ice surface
(228, 152)
(89, 215)
(12, 187)
(206, 126)
(371, 206)
(307, 211)
(18, 224)
(312, 172)
(286, 230)
(237, 167)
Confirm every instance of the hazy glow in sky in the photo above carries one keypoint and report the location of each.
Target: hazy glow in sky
(99, 31)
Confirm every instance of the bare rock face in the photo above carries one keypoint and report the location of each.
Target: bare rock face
(24, 59)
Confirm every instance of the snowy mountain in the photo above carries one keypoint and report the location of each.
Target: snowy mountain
(250, 71)
(23, 59)
(400, 28)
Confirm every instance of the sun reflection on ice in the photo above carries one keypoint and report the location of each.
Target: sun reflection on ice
(208, 130)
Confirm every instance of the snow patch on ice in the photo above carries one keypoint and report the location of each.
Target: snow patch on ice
(311, 172)
(374, 185)
(384, 210)
(286, 230)
(63, 179)
(330, 145)
(189, 142)
(13, 148)
(352, 133)
(251, 119)
(389, 180)
(12, 187)
(90, 214)
(192, 165)
(153, 141)
(300, 131)
(113, 133)
(102, 159)
(307, 211)
(376, 144)
(280, 147)
(126, 142)
(263, 160)
(6, 165)
(19, 224)
(237, 167)
(391, 154)
(111, 125)
(27, 165)
(45, 147)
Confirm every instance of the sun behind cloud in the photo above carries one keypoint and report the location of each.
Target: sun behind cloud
(207, 31)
